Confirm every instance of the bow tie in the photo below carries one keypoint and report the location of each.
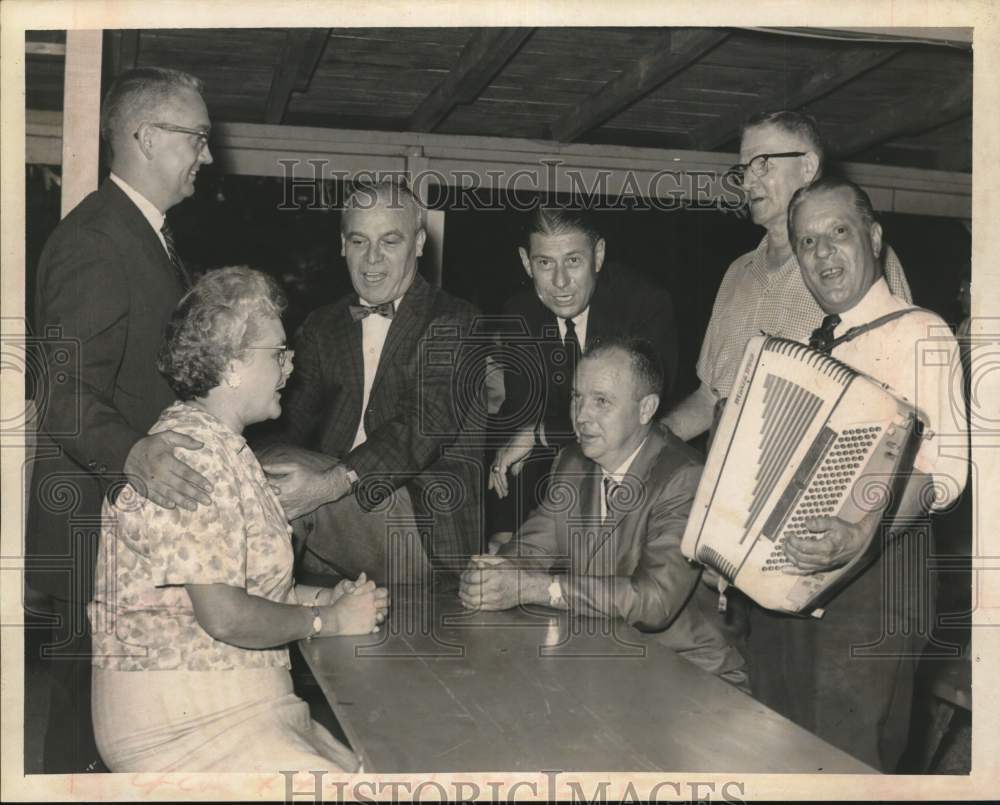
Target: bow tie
(358, 312)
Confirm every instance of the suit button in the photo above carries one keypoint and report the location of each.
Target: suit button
(92, 465)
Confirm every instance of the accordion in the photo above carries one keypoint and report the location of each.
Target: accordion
(802, 435)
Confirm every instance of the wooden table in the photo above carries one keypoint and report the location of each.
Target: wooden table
(444, 690)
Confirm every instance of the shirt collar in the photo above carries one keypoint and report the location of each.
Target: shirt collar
(579, 320)
(871, 306)
(618, 476)
(146, 207)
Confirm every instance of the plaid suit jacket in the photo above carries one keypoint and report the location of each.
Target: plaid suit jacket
(425, 414)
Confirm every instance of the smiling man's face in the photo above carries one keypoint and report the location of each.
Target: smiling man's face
(381, 245)
(837, 252)
(564, 269)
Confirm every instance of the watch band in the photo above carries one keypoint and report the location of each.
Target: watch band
(317, 623)
(555, 592)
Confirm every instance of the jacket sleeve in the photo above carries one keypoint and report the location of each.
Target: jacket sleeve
(84, 293)
(304, 401)
(441, 400)
(663, 580)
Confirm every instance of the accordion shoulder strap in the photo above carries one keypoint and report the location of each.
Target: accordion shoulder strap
(861, 329)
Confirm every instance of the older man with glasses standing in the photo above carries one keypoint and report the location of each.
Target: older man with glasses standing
(108, 279)
(763, 289)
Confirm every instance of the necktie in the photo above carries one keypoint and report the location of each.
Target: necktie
(822, 336)
(175, 259)
(610, 487)
(572, 344)
(358, 312)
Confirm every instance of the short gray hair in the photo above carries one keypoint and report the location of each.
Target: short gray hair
(791, 122)
(392, 194)
(862, 203)
(213, 324)
(136, 95)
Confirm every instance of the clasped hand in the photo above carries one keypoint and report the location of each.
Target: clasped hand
(358, 606)
(490, 583)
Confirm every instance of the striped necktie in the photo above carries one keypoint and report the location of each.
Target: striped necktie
(175, 259)
(610, 487)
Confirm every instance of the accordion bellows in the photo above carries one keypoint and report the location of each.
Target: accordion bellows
(802, 435)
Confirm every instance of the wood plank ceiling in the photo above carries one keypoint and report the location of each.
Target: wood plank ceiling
(890, 102)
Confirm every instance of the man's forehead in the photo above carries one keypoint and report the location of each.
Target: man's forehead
(826, 205)
(607, 372)
(386, 216)
(559, 243)
(770, 139)
(186, 107)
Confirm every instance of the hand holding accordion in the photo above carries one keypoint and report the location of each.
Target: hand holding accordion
(803, 439)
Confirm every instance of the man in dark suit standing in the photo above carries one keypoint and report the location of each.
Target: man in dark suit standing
(382, 394)
(108, 280)
(571, 304)
(605, 542)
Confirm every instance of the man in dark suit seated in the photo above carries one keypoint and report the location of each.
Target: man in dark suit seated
(605, 542)
(381, 423)
(571, 304)
(108, 280)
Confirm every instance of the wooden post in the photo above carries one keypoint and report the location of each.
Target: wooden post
(81, 135)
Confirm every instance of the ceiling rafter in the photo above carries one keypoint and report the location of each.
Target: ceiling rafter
(804, 88)
(676, 50)
(908, 117)
(483, 56)
(293, 73)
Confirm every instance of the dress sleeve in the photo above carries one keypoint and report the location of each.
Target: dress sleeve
(208, 545)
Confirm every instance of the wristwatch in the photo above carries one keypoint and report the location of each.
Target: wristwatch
(317, 623)
(555, 592)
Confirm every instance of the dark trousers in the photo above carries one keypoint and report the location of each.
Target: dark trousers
(848, 677)
(59, 656)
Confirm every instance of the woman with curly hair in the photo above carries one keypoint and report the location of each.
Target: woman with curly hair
(192, 611)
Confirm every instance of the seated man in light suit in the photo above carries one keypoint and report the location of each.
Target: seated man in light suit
(637, 482)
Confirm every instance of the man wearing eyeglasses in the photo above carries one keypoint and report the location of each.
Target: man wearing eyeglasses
(108, 279)
(763, 290)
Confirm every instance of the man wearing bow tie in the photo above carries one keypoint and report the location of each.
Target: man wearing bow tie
(849, 675)
(605, 541)
(382, 394)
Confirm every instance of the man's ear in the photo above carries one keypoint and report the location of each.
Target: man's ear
(810, 166)
(343, 246)
(876, 234)
(647, 408)
(421, 240)
(144, 138)
(598, 254)
(525, 260)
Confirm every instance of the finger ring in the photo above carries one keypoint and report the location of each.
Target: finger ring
(495, 468)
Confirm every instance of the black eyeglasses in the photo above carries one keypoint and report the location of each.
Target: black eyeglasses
(201, 134)
(760, 164)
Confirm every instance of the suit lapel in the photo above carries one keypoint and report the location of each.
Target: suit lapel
(636, 478)
(136, 223)
(349, 334)
(406, 325)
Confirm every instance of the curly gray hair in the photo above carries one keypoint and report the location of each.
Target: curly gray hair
(213, 325)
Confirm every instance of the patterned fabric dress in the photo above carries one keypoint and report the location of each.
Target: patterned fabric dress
(167, 695)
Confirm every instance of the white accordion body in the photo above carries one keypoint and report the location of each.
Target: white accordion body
(802, 435)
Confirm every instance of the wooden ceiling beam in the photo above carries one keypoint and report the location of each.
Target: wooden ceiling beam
(311, 55)
(299, 58)
(125, 50)
(911, 115)
(676, 51)
(483, 56)
(805, 87)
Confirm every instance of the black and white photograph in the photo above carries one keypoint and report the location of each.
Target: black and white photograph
(571, 401)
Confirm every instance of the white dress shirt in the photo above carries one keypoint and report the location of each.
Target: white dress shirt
(580, 323)
(374, 329)
(917, 356)
(618, 477)
(146, 207)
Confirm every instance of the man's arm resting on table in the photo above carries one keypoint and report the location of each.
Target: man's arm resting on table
(693, 415)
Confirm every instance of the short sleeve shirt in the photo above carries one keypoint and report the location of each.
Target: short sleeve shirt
(753, 299)
(142, 616)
